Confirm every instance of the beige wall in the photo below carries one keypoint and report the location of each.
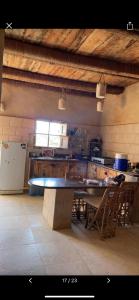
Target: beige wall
(119, 121)
(16, 129)
(120, 124)
(31, 102)
(24, 104)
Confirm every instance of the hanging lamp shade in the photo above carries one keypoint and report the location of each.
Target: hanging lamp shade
(2, 107)
(101, 88)
(61, 104)
(100, 105)
(62, 101)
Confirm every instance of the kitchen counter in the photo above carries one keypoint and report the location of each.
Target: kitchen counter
(43, 158)
(68, 160)
(110, 167)
(57, 167)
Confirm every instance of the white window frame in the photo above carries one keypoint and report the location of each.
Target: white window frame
(63, 137)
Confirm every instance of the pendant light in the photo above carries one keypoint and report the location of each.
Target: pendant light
(101, 88)
(2, 106)
(101, 93)
(62, 101)
(100, 105)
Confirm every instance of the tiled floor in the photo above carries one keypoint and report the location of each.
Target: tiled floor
(28, 246)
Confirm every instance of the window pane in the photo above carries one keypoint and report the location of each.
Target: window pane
(64, 142)
(42, 127)
(54, 141)
(41, 140)
(55, 128)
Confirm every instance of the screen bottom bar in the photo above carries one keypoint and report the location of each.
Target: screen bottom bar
(70, 296)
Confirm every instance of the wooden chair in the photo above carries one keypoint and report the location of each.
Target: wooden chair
(128, 190)
(103, 212)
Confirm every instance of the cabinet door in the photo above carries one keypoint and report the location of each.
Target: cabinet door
(104, 172)
(91, 171)
(42, 169)
(59, 169)
(112, 173)
(78, 169)
(100, 172)
(47, 169)
(36, 169)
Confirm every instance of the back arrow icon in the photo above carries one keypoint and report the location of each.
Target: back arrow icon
(30, 280)
(108, 280)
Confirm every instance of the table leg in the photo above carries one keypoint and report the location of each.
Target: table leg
(57, 207)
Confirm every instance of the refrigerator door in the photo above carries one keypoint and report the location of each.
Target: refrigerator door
(12, 166)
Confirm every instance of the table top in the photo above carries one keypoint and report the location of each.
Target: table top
(55, 183)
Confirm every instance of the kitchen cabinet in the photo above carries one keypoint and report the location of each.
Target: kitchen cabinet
(48, 168)
(99, 171)
(53, 168)
(77, 169)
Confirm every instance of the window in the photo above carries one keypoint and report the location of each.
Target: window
(51, 134)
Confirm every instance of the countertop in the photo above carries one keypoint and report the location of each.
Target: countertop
(58, 159)
(110, 167)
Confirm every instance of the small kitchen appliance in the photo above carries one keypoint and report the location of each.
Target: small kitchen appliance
(102, 160)
(95, 147)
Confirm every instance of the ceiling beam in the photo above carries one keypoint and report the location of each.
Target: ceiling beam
(75, 61)
(57, 82)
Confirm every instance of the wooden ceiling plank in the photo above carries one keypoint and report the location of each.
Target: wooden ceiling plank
(74, 61)
(133, 34)
(79, 39)
(94, 40)
(115, 45)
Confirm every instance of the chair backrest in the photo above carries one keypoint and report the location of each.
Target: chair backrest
(129, 185)
(129, 189)
(108, 208)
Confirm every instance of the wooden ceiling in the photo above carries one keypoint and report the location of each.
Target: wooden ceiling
(77, 55)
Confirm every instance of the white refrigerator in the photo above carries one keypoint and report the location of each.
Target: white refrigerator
(12, 167)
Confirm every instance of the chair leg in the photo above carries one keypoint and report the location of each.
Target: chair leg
(87, 216)
(78, 210)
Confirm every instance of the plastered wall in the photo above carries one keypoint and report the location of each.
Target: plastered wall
(24, 101)
(120, 124)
